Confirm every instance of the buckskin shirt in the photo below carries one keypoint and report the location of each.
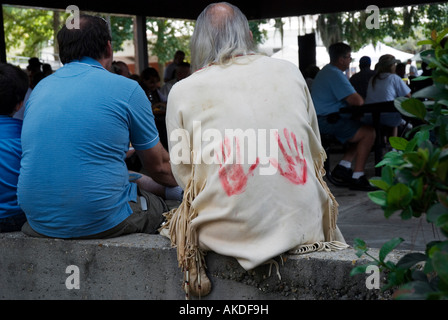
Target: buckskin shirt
(77, 128)
(245, 146)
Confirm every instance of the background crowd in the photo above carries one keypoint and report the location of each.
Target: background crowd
(89, 156)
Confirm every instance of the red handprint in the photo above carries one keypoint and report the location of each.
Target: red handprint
(296, 170)
(232, 175)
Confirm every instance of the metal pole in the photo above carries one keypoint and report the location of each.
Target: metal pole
(141, 44)
(2, 37)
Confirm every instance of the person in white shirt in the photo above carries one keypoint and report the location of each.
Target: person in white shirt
(245, 145)
(386, 85)
(412, 70)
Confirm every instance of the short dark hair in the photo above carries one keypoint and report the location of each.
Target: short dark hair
(149, 72)
(337, 50)
(13, 87)
(365, 62)
(89, 40)
(179, 53)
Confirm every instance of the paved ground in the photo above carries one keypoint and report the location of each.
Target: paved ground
(360, 218)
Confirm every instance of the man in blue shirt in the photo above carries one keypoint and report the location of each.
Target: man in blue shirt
(332, 91)
(78, 125)
(13, 87)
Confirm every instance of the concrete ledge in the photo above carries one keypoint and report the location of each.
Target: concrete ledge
(142, 266)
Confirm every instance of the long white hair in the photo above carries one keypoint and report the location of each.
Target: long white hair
(221, 33)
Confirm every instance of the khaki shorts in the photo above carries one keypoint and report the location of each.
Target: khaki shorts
(140, 221)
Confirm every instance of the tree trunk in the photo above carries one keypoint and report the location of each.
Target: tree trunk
(56, 27)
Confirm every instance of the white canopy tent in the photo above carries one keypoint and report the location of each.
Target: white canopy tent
(290, 53)
(376, 51)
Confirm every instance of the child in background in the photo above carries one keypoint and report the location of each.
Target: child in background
(13, 87)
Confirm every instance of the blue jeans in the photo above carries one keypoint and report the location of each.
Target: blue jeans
(13, 223)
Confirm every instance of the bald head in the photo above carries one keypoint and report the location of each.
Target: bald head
(220, 13)
(221, 33)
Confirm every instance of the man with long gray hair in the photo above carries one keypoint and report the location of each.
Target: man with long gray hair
(245, 147)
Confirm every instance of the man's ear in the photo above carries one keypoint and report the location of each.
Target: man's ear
(109, 50)
(107, 58)
(17, 108)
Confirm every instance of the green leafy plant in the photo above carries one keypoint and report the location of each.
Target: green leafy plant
(398, 273)
(414, 183)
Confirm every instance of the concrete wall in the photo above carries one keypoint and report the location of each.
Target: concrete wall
(144, 266)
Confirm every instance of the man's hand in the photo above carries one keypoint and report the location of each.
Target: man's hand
(232, 175)
(156, 161)
(295, 164)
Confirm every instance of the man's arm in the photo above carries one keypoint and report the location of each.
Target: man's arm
(156, 161)
(355, 99)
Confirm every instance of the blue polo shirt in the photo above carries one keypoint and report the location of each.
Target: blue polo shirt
(10, 154)
(77, 127)
(330, 88)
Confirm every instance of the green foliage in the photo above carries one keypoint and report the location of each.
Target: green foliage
(31, 28)
(259, 34)
(397, 23)
(398, 274)
(168, 37)
(121, 30)
(172, 35)
(414, 182)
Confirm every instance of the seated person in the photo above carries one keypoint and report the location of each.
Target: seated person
(79, 123)
(400, 70)
(149, 80)
(332, 91)
(170, 70)
(309, 74)
(241, 203)
(182, 72)
(360, 80)
(13, 88)
(386, 85)
(412, 72)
